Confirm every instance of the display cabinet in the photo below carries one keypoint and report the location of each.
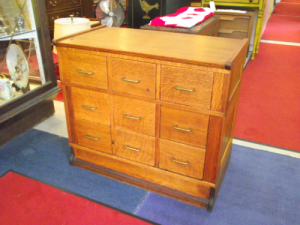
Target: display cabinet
(27, 83)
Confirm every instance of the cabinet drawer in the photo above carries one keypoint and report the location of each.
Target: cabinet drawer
(236, 34)
(234, 22)
(183, 159)
(93, 135)
(91, 105)
(134, 115)
(132, 77)
(135, 147)
(60, 4)
(87, 69)
(184, 127)
(186, 86)
(62, 14)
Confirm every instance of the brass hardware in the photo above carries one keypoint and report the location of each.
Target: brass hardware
(184, 163)
(72, 16)
(92, 138)
(183, 89)
(132, 118)
(132, 81)
(133, 149)
(57, 17)
(177, 128)
(88, 73)
(53, 4)
(90, 108)
(74, 1)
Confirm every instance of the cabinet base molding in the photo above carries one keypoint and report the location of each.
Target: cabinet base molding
(206, 203)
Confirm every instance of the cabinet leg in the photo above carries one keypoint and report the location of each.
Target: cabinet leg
(72, 156)
(212, 199)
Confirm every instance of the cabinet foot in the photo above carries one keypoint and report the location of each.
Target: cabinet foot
(72, 157)
(211, 201)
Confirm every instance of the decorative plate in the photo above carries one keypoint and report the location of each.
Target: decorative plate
(17, 66)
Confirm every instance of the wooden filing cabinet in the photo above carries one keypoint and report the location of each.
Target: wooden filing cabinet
(236, 25)
(142, 111)
(258, 5)
(56, 9)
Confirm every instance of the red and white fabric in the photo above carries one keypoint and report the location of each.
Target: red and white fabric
(185, 17)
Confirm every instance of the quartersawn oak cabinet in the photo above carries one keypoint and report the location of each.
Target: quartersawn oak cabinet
(153, 109)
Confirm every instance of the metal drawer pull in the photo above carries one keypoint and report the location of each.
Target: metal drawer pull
(177, 128)
(90, 108)
(133, 149)
(132, 118)
(53, 4)
(89, 73)
(74, 1)
(183, 89)
(132, 81)
(184, 163)
(92, 138)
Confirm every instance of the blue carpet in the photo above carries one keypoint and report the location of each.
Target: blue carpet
(45, 157)
(259, 188)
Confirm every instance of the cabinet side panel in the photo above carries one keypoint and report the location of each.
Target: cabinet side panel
(211, 165)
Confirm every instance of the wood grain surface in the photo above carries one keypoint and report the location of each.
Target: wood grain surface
(140, 148)
(144, 112)
(199, 81)
(142, 74)
(91, 105)
(198, 123)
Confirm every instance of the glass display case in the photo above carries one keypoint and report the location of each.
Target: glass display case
(27, 77)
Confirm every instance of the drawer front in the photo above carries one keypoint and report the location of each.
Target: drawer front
(135, 147)
(186, 86)
(132, 77)
(184, 127)
(93, 135)
(234, 22)
(91, 105)
(183, 159)
(87, 69)
(60, 4)
(62, 14)
(134, 115)
(236, 34)
(232, 2)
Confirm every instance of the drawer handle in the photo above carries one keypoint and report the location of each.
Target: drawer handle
(132, 118)
(74, 1)
(90, 108)
(92, 138)
(132, 81)
(184, 163)
(53, 4)
(88, 73)
(177, 128)
(133, 149)
(183, 89)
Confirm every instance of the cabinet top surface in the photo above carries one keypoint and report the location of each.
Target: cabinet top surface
(196, 49)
